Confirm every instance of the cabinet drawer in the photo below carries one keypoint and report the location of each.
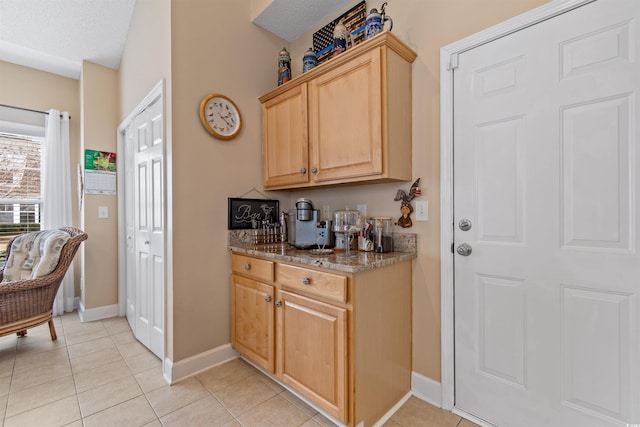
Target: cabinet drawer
(255, 268)
(327, 285)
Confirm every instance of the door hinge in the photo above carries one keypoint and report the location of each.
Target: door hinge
(452, 250)
(453, 62)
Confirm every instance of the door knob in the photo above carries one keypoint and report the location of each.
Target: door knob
(464, 224)
(464, 249)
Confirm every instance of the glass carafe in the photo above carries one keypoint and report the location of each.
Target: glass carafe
(348, 222)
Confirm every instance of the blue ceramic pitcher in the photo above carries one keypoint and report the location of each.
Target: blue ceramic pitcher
(375, 22)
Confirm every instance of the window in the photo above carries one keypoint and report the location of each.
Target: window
(20, 185)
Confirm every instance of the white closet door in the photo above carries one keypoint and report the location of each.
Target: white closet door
(145, 228)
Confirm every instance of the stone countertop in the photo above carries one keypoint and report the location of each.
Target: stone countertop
(404, 249)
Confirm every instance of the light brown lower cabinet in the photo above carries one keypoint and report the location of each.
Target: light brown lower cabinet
(340, 340)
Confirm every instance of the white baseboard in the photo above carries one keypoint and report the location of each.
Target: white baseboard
(426, 389)
(174, 372)
(99, 313)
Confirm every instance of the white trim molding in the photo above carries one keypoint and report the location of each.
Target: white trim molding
(98, 313)
(174, 372)
(424, 388)
(448, 63)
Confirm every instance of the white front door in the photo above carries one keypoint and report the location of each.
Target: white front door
(144, 214)
(546, 172)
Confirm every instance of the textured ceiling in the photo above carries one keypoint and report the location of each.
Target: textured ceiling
(57, 35)
(289, 19)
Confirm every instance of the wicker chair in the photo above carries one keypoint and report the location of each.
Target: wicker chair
(28, 303)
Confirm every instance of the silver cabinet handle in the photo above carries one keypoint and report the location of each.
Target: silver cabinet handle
(303, 170)
(267, 298)
(146, 242)
(247, 266)
(278, 303)
(464, 249)
(314, 170)
(306, 281)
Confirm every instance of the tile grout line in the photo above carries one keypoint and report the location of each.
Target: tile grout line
(13, 368)
(73, 376)
(144, 394)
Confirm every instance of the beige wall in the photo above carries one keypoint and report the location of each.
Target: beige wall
(215, 49)
(178, 42)
(146, 60)
(28, 88)
(426, 26)
(99, 106)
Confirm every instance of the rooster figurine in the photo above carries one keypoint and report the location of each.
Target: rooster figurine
(405, 208)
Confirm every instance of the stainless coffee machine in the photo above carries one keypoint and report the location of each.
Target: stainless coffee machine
(305, 229)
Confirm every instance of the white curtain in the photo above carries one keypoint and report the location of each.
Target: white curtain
(56, 210)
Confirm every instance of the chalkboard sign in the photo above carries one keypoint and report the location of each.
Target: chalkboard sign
(249, 213)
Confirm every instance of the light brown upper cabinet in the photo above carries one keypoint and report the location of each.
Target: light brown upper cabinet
(345, 121)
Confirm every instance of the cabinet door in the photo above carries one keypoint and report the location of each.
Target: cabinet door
(252, 329)
(285, 138)
(345, 120)
(312, 351)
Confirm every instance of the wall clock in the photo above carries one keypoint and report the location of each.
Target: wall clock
(220, 116)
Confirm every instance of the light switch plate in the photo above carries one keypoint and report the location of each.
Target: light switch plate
(103, 212)
(422, 210)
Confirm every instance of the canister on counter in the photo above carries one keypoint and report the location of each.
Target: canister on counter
(382, 233)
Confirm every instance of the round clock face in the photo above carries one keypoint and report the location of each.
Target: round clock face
(220, 116)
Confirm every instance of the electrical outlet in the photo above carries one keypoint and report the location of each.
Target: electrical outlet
(422, 210)
(103, 212)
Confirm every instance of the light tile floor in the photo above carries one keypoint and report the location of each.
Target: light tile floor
(97, 374)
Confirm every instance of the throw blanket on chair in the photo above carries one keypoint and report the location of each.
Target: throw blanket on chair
(34, 254)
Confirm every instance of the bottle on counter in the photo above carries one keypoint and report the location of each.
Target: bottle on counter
(284, 66)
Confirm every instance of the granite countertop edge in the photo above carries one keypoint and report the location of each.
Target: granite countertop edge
(359, 261)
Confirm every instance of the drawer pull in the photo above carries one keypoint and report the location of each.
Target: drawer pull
(247, 266)
(267, 298)
(306, 281)
(278, 303)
